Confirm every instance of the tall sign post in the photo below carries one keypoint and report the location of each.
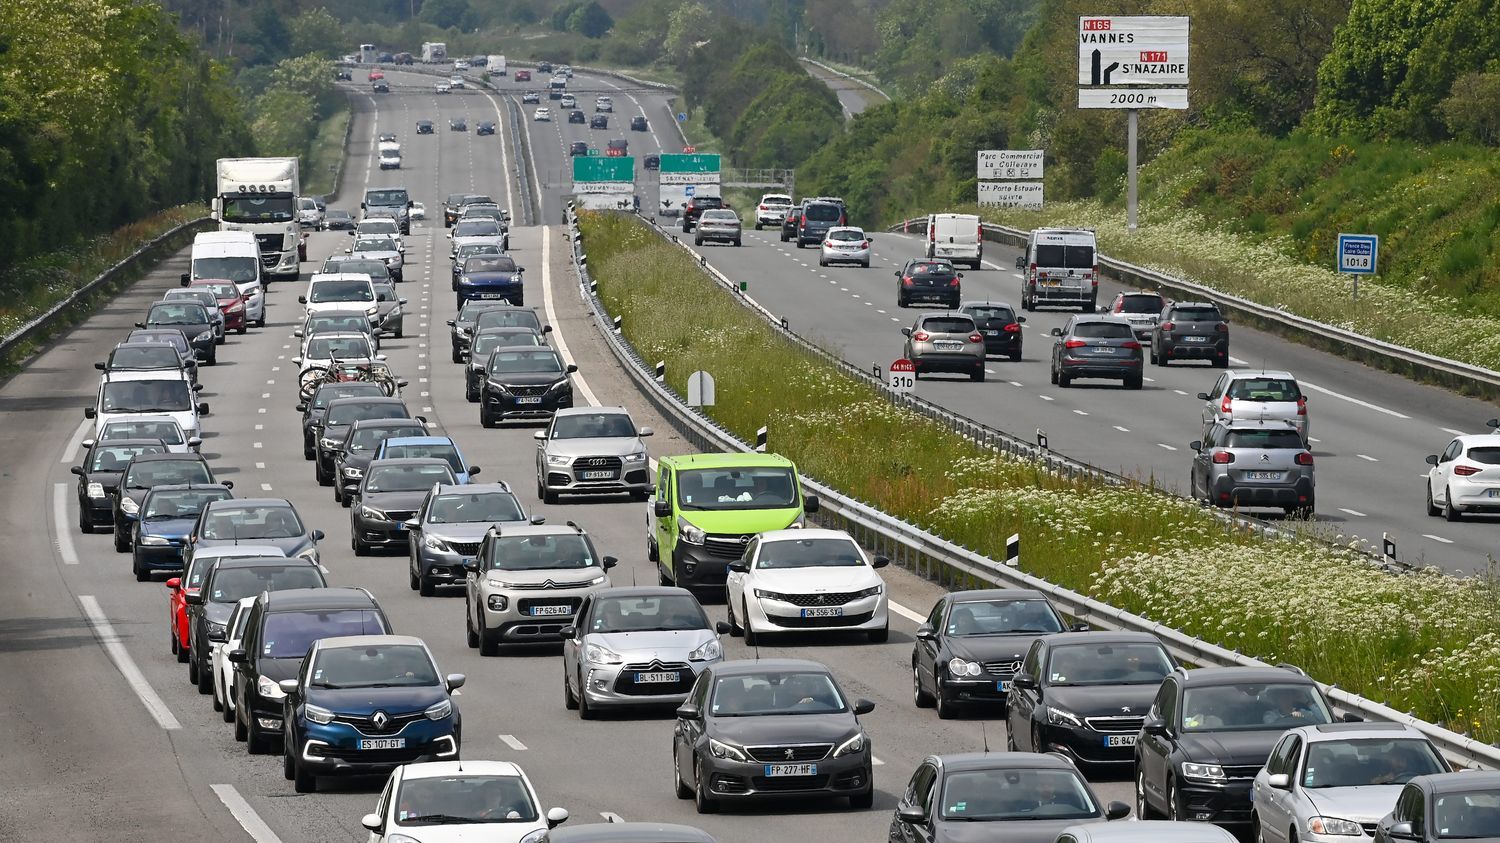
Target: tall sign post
(1010, 178)
(1132, 62)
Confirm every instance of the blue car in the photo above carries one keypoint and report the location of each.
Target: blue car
(429, 447)
(365, 705)
(491, 278)
(166, 517)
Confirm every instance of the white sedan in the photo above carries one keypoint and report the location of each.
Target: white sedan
(418, 211)
(798, 580)
(460, 800)
(1464, 478)
(444, 87)
(223, 671)
(542, 115)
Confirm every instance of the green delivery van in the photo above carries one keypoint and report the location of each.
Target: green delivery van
(707, 507)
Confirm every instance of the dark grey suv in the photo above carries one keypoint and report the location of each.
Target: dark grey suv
(1191, 331)
(1097, 347)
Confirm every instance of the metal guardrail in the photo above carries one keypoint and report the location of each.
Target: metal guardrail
(1347, 343)
(144, 254)
(940, 559)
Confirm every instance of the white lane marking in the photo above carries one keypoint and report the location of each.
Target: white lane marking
(1045, 397)
(244, 814)
(60, 524)
(1237, 361)
(914, 617)
(1165, 445)
(510, 741)
(611, 817)
(1367, 405)
(1179, 392)
(1444, 429)
(562, 344)
(1080, 412)
(1148, 380)
(1356, 513)
(265, 487)
(259, 445)
(1014, 383)
(1313, 440)
(1367, 457)
(1122, 429)
(105, 632)
(76, 442)
(1437, 538)
(260, 465)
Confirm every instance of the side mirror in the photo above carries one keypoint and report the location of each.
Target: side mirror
(912, 814)
(546, 329)
(1116, 811)
(194, 442)
(197, 387)
(556, 817)
(455, 681)
(1280, 781)
(1021, 262)
(173, 583)
(287, 686)
(1103, 308)
(644, 432)
(688, 711)
(905, 332)
(925, 632)
(1023, 680)
(723, 628)
(1432, 459)
(450, 323)
(471, 564)
(662, 509)
(317, 535)
(1495, 423)
(540, 436)
(1079, 626)
(1351, 717)
(1196, 445)
(1056, 332)
(78, 470)
(87, 443)
(567, 633)
(572, 368)
(193, 598)
(202, 408)
(297, 333)
(297, 361)
(185, 280)
(401, 301)
(237, 656)
(413, 524)
(897, 273)
(863, 706)
(610, 562)
(1402, 831)
(380, 357)
(372, 822)
(1154, 726)
(538, 519)
(1203, 396)
(140, 324)
(880, 562)
(89, 412)
(99, 365)
(1020, 320)
(738, 566)
(301, 408)
(228, 484)
(810, 504)
(302, 299)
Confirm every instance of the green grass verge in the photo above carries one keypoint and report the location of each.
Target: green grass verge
(696, 130)
(326, 154)
(1423, 642)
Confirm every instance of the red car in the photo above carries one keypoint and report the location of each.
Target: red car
(523, 76)
(376, 74)
(231, 302)
(177, 602)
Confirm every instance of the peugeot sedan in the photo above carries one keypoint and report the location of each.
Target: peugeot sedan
(804, 580)
(524, 383)
(592, 450)
(844, 244)
(447, 528)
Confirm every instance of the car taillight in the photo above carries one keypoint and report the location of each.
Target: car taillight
(1301, 406)
(1223, 458)
(1033, 267)
(1168, 326)
(1224, 405)
(762, 207)
(1221, 327)
(1465, 470)
(1132, 345)
(864, 244)
(1304, 458)
(1074, 344)
(906, 281)
(976, 337)
(954, 282)
(1013, 328)
(921, 336)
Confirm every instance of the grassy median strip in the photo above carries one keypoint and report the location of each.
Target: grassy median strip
(1423, 642)
(323, 160)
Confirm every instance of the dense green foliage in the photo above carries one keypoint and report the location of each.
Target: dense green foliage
(107, 114)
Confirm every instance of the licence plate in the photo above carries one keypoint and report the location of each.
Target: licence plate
(596, 475)
(1105, 349)
(382, 743)
(941, 345)
(992, 333)
(1195, 339)
(551, 610)
(647, 678)
(1048, 283)
(1494, 493)
(1262, 475)
(1003, 686)
(529, 399)
(492, 295)
(773, 770)
(824, 612)
(1119, 740)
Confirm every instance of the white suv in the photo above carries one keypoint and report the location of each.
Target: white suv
(771, 210)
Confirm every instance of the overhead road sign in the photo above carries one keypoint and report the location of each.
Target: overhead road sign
(1133, 50)
(699, 162)
(603, 169)
(1010, 164)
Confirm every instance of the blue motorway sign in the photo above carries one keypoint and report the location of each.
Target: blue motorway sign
(1359, 253)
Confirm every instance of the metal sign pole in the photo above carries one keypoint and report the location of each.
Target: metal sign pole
(1133, 132)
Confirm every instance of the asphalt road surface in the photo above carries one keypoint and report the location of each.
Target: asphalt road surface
(853, 97)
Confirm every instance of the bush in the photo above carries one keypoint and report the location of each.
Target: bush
(1472, 108)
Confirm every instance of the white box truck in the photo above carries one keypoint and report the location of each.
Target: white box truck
(434, 52)
(259, 195)
(367, 54)
(957, 237)
(495, 65)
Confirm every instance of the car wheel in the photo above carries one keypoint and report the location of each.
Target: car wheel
(194, 675)
(919, 695)
(822, 262)
(736, 241)
(585, 711)
(880, 636)
(1450, 512)
(1154, 358)
(1432, 508)
(240, 732)
(977, 375)
(1037, 744)
(122, 543)
(242, 329)
(652, 553)
(84, 525)
(701, 801)
(359, 547)
(1164, 357)
(1134, 382)
(1064, 381)
(485, 419)
(751, 638)
(399, 333)
(458, 356)
(549, 496)
(255, 737)
(1015, 356)
(946, 710)
(757, 226)
(261, 322)
(471, 396)
(324, 478)
(142, 573)
(288, 764)
(303, 781)
(426, 587)
(218, 699)
(181, 651)
(1010, 739)
(1052, 373)
(735, 630)
(470, 636)
(1221, 362)
(1174, 802)
(413, 581)
(205, 677)
(681, 788)
(487, 646)
(570, 700)
(1143, 809)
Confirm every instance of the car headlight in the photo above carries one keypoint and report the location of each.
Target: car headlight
(269, 689)
(317, 714)
(711, 650)
(439, 710)
(636, 457)
(96, 490)
(960, 668)
(1202, 771)
(494, 583)
(154, 541)
(237, 307)
(558, 459)
(498, 387)
(434, 543)
(372, 310)
(689, 533)
(725, 750)
(371, 512)
(872, 591)
(534, 837)
(851, 746)
(204, 337)
(600, 654)
(330, 444)
(129, 506)
(351, 471)
(560, 385)
(310, 554)
(763, 594)
(602, 579)
(1334, 825)
(1062, 717)
(214, 630)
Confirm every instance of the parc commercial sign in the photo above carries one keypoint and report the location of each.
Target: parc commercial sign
(1133, 61)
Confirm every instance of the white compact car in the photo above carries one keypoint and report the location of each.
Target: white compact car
(1465, 477)
(444, 87)
(845, 244)
(223, 673)
(542, 115)
(460, 800)
(806, 580)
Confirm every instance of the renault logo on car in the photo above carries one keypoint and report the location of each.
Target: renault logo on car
(381, 719)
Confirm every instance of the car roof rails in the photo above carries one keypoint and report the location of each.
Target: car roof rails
(574, 526)
(1293, 668)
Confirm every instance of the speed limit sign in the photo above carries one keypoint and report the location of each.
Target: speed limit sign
(902, 376)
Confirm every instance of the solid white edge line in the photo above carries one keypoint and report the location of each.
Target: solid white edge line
(64, 540)
(1367, 405)
(105, 632)
(76, 442)
(611, 817)
(914, 617)
(562, 344)
(1437, 538)
(244, 814)
(510, 741)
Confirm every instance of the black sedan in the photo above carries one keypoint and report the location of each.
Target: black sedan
(576, 116)
(972, 643)
(638, 123)
(1000, 326)
(337, 219)
(190, 318)
(341, 414)
(316, 408)
(224, 585)
(458, 124)
(1086, 694)
(387, 496)
(770, 727)
(577, 148)
(364, 438)
(99, 477)
(1097, 347)
(484, 127)
(463, 324)
(424, 127)
(599, 121)
(143, 473)
(524, 383)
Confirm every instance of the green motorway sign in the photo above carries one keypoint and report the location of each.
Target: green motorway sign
(603, 168)
(700, 162)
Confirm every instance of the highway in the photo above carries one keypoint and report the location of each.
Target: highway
(853, 97)
(110, 736)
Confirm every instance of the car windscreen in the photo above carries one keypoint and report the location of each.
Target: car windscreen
(1467, 814)
(490, 263)
(385, 292)
(543, 552)
(369, 438)
(339, 215)
(463, 798)
(289, 635)
(1264, 439)
(306, 204)
(322, 347)
(948, 325)
(510, 361)
(775, 200)
(199, 295)
(379, 225)
(1265, 389)
(918, 269)
(1249, 707)
(823, 213)
(664, 613)
(145, 356)
(116, 457)
(718, 215)
(252, 522)
(1103, 331)
(1055, 255)
(374, 244)
(383, 666)
(178, 313)
(1141, 304)
(1002, 617)
(1107, 664)
(486, 343)
(593, 426)
(508, 318)
(257, 208)
(332, 392)
(407, 478)
(144, 475)
(477, 507)
(1196, 314)
(808, 553)
(426, 451)
(230, 585)
(163, 396)
(222, 291)
(469, 249)
(776, 692)
(335, 291)
(180, 503)
(737, 488)
(240, 270)
(1011, 794)
(847, 236)
(1484, 456)
(336, 322)
(373, 267)
(166, 430)
(1357, 762)
(476, 228)
(386, 197)
(173, 338)
(347, 413)
(991, 315)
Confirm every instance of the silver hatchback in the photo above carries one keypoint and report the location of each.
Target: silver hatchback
(1257, 395)
(845, 244)
(945, 342)
(720, 224)
(1253, 463)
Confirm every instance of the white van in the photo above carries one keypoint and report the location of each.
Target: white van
(1061, 267)
(390, 155)
(231, 256)
(957, 237)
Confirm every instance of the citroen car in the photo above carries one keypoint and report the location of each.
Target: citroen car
(526, 583)
(1253, 463)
